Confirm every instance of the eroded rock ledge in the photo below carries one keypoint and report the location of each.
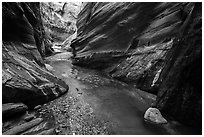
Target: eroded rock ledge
(155, 46)
(24, 76)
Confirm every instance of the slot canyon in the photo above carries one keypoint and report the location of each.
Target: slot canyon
(102, 68)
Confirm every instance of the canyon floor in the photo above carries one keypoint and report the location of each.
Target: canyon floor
(155, 46)
(97, 104)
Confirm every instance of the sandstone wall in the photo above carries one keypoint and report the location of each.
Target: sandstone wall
(24, 76)
(155, 46)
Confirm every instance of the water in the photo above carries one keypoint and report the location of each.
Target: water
(117, 103)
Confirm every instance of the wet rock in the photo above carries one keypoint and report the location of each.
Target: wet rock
(154, 115)
(12, 109)
(23, 127)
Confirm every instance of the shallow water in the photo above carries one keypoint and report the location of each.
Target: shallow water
(120, 105)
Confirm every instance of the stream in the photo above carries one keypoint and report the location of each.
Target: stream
(98, 104)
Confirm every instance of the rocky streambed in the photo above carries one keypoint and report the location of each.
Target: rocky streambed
(95, 104)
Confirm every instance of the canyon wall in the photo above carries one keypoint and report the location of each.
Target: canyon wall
(24, 76)
(59, 21)
(154, 46)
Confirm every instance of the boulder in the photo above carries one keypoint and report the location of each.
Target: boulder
(154, 115)
(12, 109)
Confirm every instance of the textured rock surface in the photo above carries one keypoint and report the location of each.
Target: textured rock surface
(24, 77)
(148, 45)
(130, 39)
(48, 132)
(180, 93)
(154, 115)
(22, 23)
(12, 109)
(23, 127)
(59, 21)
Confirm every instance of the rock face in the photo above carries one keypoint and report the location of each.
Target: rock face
(180, 92)
(154, 115)
(24, 77)
(22, 23)
(129, 40)
(148, 45)
(59, 21)
(12, 109)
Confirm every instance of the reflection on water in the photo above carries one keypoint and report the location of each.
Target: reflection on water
(120, 104)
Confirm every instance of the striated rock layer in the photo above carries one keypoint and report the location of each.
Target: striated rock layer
(24, 77)
(155, 46)
(59, 21)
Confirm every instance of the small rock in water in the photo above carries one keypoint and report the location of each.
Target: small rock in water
(48, 67)
(154, 115)
(37, 107)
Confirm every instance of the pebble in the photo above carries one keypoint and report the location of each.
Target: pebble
(57, 131)
(37, 107)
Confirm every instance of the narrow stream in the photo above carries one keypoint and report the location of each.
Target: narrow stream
(117, 106)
